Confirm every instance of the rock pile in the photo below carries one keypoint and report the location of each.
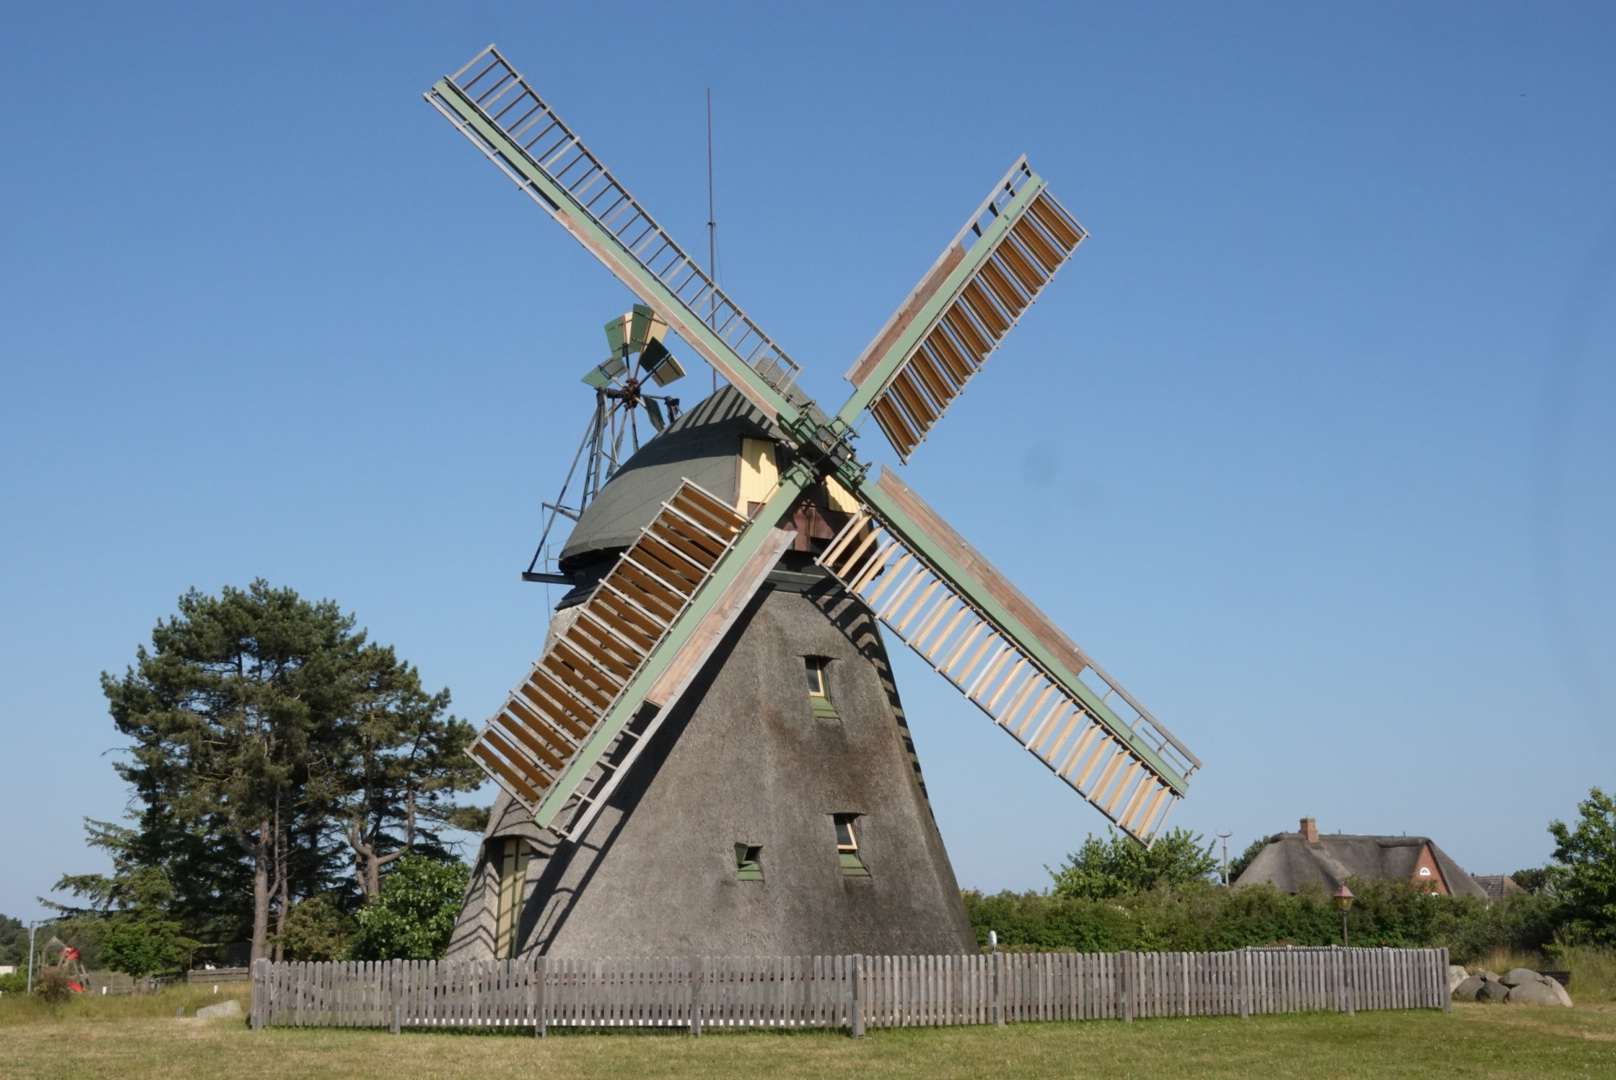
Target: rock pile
(1521, 986)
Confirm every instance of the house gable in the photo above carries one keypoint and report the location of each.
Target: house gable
(1428, 874)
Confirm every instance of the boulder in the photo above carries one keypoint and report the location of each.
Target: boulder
(1520, 976)
(1469, 988)
(1490, 976)
(1492, 991)
(1535, 993)
(231, 1007)
(1456, 975)
(1559, 991)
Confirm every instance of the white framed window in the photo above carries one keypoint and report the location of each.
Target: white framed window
(847, 848)
(817, 671)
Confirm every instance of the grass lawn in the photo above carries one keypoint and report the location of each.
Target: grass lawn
(136, 1039)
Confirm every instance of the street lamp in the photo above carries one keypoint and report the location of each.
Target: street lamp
(31, 925)
(1343, 900)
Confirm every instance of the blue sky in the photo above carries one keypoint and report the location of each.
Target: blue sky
(1310, 444)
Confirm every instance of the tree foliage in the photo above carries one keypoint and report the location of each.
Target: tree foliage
(130, 922)
(139, 947)
(1586, 876)
(318, 928)
(415, 914)
(277, 755)
(1533, 880)
(399, 761)
(1103, 869)
(13, 941)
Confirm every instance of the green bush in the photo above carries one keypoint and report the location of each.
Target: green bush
(139, 946)
(317, 929)
(53, 986)
(1586, 872)
(15, 983)
(1211, 918)
(415, 914)
(1119, 866)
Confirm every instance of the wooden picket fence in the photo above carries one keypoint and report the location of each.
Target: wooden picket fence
(853, 992)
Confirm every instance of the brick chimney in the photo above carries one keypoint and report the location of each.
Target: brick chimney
(1310, 830)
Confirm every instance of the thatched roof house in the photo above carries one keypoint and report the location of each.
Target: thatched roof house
(1293, 860)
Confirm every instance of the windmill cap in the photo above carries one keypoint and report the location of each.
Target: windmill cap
(703, 445)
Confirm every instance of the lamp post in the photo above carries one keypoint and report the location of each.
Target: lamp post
(32, 923)
(1343, 900)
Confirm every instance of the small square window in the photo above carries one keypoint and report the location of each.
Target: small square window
(748, 862)
(847, 850)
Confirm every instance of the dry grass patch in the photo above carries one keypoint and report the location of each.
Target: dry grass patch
(94, 1008)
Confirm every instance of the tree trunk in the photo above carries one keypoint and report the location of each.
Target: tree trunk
(373, 874)
(261, 894)
(283, 872)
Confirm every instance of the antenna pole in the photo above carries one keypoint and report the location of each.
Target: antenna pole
(1225, 836)
(712, 229)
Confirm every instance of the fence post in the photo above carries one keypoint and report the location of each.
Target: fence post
(395, 993)
(857, 1017)
(695, 994)
(541, 1000)
(1245, 983)
(1125, 986)
(996, 959)
(1352, 1005)
(255, 1018)
(1446, 995)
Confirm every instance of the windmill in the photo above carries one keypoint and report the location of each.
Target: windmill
(710, 755)
(638, 358)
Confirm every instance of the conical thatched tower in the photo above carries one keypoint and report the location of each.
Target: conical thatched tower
(780, 808)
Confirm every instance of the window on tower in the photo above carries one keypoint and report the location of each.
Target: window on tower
(748, 862)
(819, 687)
(847, 849)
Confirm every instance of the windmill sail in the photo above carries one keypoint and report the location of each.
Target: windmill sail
(964, 306)
(564, 736)
(493, 106)
(953, 608)
(639, 638)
